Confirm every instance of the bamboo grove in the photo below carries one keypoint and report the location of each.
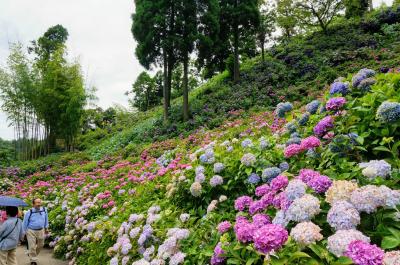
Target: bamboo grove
(43, 95)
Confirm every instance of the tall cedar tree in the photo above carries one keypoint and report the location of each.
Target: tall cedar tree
(266, 27)
(242, 17)
(153, 27)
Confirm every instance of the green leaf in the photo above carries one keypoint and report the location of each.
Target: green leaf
(298, 255)
(382, 148)
(343, 261)
(389, 242)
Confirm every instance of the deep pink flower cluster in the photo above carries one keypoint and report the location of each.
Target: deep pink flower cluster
(310, 142)
(323, 126)
(270, 237)
(261, 219)
(244, 230)
(281, 201)
(262, 190)
(305, 144)
(363, 253)
(319, 183)
(224, 227)
(335, 103)
(242, 203)
(279, 183)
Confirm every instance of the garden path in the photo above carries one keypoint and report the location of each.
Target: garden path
(45, 257)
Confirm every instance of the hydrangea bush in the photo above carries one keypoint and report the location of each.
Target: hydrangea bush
(293, 185)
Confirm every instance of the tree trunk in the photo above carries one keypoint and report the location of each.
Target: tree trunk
(262, 51)
(236, 66)
(165, 86)
(185, 88)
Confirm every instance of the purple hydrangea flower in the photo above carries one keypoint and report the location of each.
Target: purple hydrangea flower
(339, 88)
(254, 178)
(270, 237)
(335, 103)
(362, 253)
(224, 227)
(323, 126)
(242, 203)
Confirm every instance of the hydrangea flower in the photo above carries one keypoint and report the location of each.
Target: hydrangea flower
(244, 230)
(293, 140)
(315, 180)
(247, 143)
(184, 217)
(264, 143)
(392, 258)
(323, 126)
(280, 201)
(339, 88)
(242, 203)
(224, 227)
(361, 75)
(335, 103)
(306, 233)
(338, 242)
(295, 189)
(366, 84)
(254, 178)
(291, 126)
(284, 166)
(343, 215)
(283, 108)
(375, 168)
(200, 178)
(310, 142)
(363, 253)
(313, 106)
(218, 258)
(177, 258)
(292, 150)
(388, 112)
(195, 189)
(303, 209)
(218, 167)
(304, 119)
(270, 173)
(340, 190)
(270, 237)
(391, 197)
(261, 219)
(278, 183)
(248, 159)
(280, 218)
(367, 198)
(216, 181)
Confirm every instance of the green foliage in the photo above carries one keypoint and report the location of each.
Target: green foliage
(146, 93)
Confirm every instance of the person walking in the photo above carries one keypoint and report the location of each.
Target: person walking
(11, 233)
(36, 224)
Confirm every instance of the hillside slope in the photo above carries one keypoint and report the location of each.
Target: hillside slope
(334, 162)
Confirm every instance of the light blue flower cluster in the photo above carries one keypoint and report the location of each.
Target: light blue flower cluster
(339, 88)
(362, 75)
(375, 168)
(218, 167)
(388, 112)
(269, 173)
(264, 143)
(282, 108)
(303, 208)
(207, 157)
(253, 178)
(294, 139)
(304, 119)
(284, 166)
(313, 106)
(247, 143)
(343, 215)
(291, 126)
(295, 189)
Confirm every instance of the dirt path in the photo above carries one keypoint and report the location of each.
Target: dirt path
(45, 257)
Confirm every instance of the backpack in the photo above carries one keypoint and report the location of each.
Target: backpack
(41, 211)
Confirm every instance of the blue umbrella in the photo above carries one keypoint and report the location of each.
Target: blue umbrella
(11, 201)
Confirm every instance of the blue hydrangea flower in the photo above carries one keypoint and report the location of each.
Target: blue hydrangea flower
(269, 173)
(264, 143)
(283, 108)
(353, 138)
(339, 88)
(254, 178)
(291, 126)
(322, 109)
(312, 154)
(294, 140)
(284, 166)
(218, 167)
(304, 119)
(247, 143)
(366, 84)
(388, 112)
(295, 135)
(313, 106)
(361, 75)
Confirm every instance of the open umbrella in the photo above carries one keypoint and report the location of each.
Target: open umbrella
(11, 201)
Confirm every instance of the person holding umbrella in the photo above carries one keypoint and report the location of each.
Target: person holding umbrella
(36, 224)
(11, 232)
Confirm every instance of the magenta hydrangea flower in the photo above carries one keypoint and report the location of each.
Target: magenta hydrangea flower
(278, 183)
(323, 126)
(244, 230)
(310, 142)
(218, 256)
(281, 201)
(262, 190)
(261, 219)
(335, 103)
(242, 203)
(224, 227)
(363, 253)
(320, 184)
(269, 237)
(292, 150)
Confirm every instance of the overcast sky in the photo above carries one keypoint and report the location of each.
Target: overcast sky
(99, 34)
